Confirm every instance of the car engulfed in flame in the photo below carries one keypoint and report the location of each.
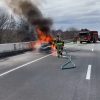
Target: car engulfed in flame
(45, 47)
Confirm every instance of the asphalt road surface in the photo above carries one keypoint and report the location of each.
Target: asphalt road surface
(38, 76)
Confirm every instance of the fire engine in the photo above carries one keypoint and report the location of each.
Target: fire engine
(88, 36)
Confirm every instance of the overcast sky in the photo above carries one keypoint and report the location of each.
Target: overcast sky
(73, 13)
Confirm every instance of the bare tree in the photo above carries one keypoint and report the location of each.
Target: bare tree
(12, 30)
(3, 19)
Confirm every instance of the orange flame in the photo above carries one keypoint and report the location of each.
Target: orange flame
(44, 38)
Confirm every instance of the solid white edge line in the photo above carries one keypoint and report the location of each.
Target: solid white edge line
(9, 71)
(88, 75)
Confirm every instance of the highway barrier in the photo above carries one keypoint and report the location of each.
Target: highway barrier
(10, 49)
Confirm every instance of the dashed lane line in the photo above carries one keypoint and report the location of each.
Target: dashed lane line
(88, 75)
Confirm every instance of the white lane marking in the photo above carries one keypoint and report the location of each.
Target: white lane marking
(88, 75)
(9, 71)
(92, 50)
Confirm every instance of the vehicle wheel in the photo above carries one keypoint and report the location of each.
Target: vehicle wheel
(88, 41)
(81, 42)
(94, 41)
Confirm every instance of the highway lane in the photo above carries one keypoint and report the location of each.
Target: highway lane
(15, 61)
(44, 79)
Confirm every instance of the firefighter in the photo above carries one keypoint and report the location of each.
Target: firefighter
(59, 46)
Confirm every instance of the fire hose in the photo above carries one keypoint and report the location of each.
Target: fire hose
(69, 61)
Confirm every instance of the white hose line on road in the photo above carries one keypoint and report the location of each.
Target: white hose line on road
(88, 75)
(9, 71)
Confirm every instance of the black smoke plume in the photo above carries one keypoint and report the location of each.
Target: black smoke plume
(33, 14)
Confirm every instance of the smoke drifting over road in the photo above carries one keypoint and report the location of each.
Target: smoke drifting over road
(29, 9)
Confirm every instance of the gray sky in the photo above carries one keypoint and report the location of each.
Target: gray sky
(73, 13)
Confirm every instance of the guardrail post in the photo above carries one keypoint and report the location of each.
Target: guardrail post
(15, 47)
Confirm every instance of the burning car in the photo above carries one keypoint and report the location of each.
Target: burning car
(45, 47)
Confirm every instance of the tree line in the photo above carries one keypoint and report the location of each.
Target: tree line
(70, 33)
(12, 30)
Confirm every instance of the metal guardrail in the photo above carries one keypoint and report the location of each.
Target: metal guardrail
(10, 49)
(16, 46)
(13, 48)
